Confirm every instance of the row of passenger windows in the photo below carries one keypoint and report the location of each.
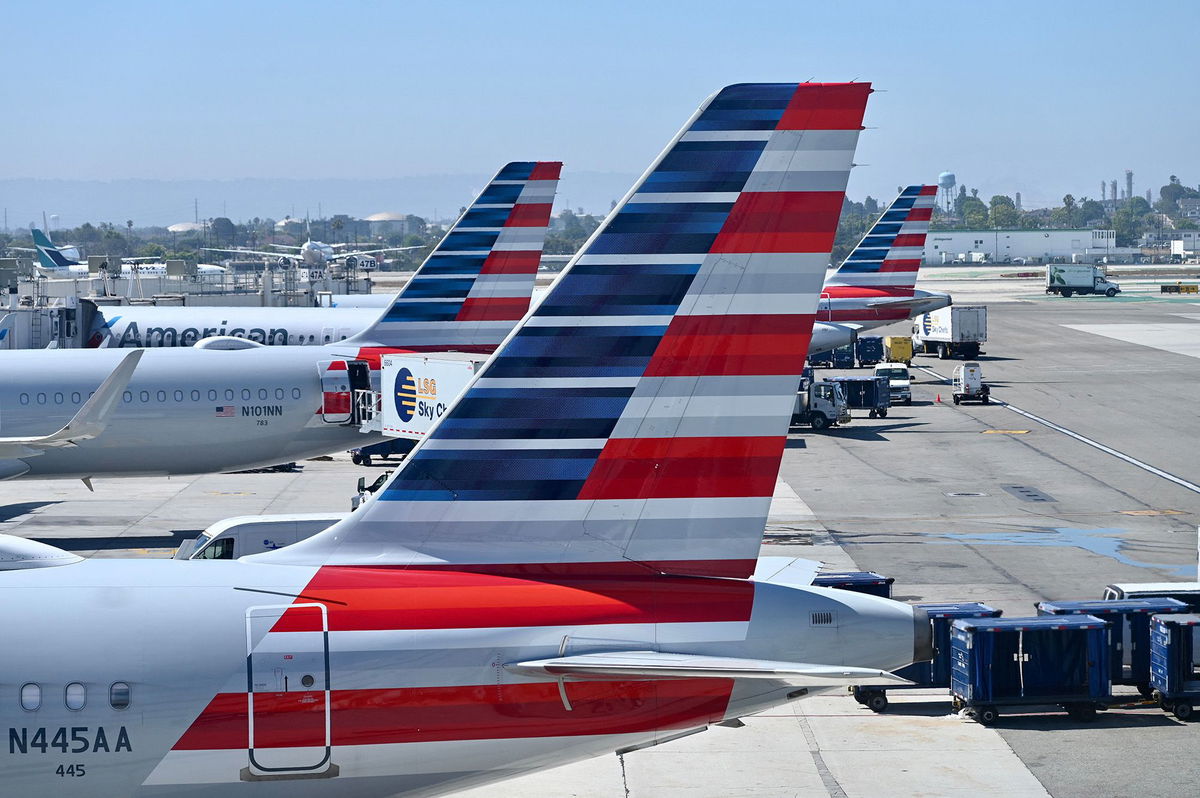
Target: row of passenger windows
(246, 394)
(120, 695)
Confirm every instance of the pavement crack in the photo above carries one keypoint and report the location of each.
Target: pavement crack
(828, 780)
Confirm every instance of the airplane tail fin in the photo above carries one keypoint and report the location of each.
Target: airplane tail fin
(635, 421)
(49, 256)
(890, 254)
(477, 282)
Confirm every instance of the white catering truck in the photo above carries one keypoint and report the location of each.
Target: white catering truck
(1078, 278)
(952, 331)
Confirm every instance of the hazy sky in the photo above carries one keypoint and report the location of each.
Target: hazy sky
(1042, 97)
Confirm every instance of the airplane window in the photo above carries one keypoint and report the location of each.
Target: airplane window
(326, 339)
(31, 697)
(262, 393)
(295, 393)
(196, 396)
(144, 396)
(76, 398)
(278, 393)
(228, 393)
(245, 393)
(212, 394)
(119, 695)
(58, 398)
(41, 398)
(312, 338)
(76, 696)
(24, 398)
(127, 396)
(161, 396)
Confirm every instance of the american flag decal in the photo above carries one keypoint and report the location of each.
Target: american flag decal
(226, 411)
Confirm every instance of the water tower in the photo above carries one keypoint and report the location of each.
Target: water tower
(946, 183)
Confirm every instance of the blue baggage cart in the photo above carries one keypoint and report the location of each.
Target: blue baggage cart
(935, 672)
(1129, 643)
(843, 357)
(1049, 660)
(867, 582)
(1173, 673)
(873, 394)
(869, 350)
(825, 358)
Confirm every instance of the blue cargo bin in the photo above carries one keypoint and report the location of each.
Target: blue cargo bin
(873, 394)
(1129, 643)
(936, 672)
(843, 357)
(1050, 660)
(825, 358)
(1173, 673)
(869, 350)
(857, 581)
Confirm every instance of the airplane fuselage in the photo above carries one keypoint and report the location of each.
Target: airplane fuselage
(186, 411)
(147, 326)
(311, 681)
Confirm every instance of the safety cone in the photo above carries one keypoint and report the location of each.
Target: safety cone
(939, 399)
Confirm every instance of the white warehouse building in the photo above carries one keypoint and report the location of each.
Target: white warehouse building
(1005, 246)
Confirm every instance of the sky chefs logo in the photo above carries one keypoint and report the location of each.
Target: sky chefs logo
(406, 395)
(926, 324)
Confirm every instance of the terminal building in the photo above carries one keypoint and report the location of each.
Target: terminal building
(1031, 246)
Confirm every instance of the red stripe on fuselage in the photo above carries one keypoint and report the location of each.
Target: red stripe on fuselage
(364, 598)
(472, 712)
(781, 221)
(729, 345)
(826, 106)
(669, 468)
(862, 291)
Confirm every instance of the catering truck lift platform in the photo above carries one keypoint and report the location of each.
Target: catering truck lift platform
(1029, 663)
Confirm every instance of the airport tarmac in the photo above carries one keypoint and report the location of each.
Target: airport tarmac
(1084, 473)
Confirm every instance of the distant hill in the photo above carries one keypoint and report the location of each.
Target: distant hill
(164, 202)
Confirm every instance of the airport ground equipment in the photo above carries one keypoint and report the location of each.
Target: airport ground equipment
(817, 359)
(252, 534)
(935, 672)
(868, 349)
(899, 381)
(868, 582)
(820, 404)
(898, 349)
(1173, 674)
(1078, 278)
(969, 385)
(1187, 592)
(1129, 643)
(866, 393)
(954, 331)
(843, 357)
(1026, 663)
(364, 455)
(1179, 288)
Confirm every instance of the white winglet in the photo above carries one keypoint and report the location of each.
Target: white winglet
(659, 665)
(89, 422)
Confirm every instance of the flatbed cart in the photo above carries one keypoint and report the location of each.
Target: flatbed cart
(935, 672)
(1129, 643)
(872, 394)
(1001, 664)
(1173, 674)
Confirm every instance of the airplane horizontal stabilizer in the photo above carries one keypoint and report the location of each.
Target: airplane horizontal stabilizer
(896, 302)
(658, 665)
(89, 422)
(793, 571)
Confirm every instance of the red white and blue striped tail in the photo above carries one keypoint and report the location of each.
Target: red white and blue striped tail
(890, 253)
(635, 421)
(476, 284)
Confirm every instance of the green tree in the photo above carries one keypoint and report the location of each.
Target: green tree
(1003, 212)
(974, 213)
(224, 230)
(1069, 209)
(1091, 211)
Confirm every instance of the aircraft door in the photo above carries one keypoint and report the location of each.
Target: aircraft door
(336, 403)
(825, 307)
(287, 677)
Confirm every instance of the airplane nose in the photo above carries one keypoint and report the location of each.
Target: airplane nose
(923, 649)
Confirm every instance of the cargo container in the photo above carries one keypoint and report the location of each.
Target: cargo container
(868, 349)
(897, 349)
(1173, 673)
(1129, 643)
(1004, 663)
(843, 357)
(867, 582)
(872, 394)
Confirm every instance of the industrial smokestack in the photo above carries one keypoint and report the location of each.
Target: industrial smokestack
(1017, 201)
(1128, 184)
(1103, 191)
(1112, 190)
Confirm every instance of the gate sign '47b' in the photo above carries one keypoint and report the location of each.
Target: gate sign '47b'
(417, 390)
